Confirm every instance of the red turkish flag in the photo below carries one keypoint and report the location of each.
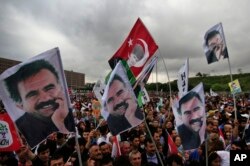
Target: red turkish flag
(9, 140)
(171, 146)
(137, 49)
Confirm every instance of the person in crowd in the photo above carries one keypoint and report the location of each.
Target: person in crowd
(135, 158)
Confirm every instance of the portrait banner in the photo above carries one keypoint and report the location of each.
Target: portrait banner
(189, 112)
(214, 44)
(182, 81)
(35, 96)
(98, 90)
(119, 104)
(234, 86)
(137, 49)
(9, 138)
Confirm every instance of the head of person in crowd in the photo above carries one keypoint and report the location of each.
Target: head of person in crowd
(149, 147)
(135, 141)
(135, 158)
(177, 141)
(173, 133)
(56, 160)
(95, 153)
(43, 153)
(60, 139)
(156, 136)
(191, 111)
(238, 145)
(125, 148)
(122, 161)
(174, 160)
(36, 89)
(105, 149)
(214, 159)
(82, 142)
(106, 161)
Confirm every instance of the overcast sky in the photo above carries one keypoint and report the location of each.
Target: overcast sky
(89, 32)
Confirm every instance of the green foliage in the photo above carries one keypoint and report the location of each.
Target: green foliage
(217, 83)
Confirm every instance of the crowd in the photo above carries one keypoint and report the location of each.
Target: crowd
(224, 132)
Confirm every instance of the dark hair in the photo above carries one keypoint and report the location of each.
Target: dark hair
(174, 158)
(102, 143)
(55, 156)
(42, 148)
(211, 35)
(117, 77)
(148, 140)
(25, 72)
(212, 156)
(188, 97)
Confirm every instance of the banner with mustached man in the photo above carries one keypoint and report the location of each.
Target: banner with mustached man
(234, 86)
(35, 96)
(137, 48)
(214, 44)
(119, 104)
(189, 112)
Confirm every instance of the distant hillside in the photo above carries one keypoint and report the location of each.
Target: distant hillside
(217, 83)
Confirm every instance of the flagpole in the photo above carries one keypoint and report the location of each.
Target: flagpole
(78, 147)
(169, 84)
(231, 77)
(151, 137)
(156, 78)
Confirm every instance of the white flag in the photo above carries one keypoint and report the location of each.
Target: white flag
(182, 81)
(99, 90)
(212, 93)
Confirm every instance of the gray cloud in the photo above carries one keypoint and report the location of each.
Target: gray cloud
(88, 33)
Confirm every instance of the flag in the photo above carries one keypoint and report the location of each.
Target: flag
(119, 104)
(137, 49)
(9, 139)
(116, 151)
(214, 45)
(171, 145)
(96, 108)
(182, 81)
(145, 73)
(234, 86)
(35, 96)
(98, 90)
(212, 93)
(190, 116)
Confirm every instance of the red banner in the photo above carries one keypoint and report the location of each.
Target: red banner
(137, 49)
(9, 140)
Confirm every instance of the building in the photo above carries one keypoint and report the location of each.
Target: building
(74, 80)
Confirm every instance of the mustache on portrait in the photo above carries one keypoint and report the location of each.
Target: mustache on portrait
(196, 120)
(53, 102)
(123, 103)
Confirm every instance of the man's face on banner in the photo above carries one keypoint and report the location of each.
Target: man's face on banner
(192, 113)
(41, 94)
(216, 44)
(118, 99)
